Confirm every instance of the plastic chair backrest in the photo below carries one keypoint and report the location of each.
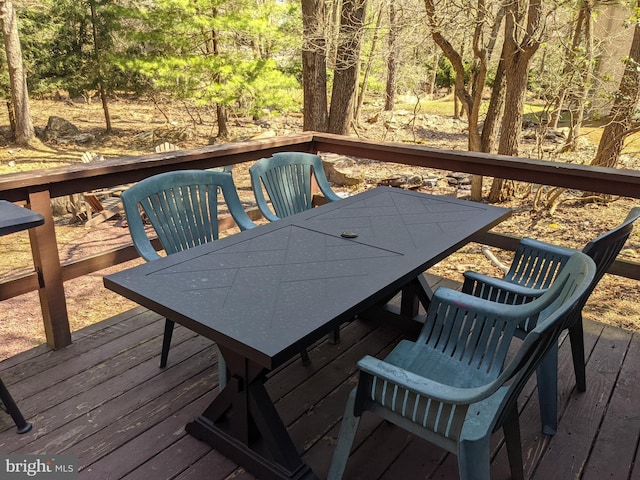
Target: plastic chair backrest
(286, 178)
(534, 268)
(572, 288)
(182, 207)
(604, 249)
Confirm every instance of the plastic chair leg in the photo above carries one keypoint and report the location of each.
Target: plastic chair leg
(346, 436)
(14, 411)
(576, 335)
(222, 371)
(511, 428)
(474, 459)
(547, 375)
(166, 342)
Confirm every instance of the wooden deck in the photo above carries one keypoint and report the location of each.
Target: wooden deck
(105, 400)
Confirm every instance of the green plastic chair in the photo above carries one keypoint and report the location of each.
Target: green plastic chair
(182, 207)
(451, 386)
(286, 177)
(533, 269)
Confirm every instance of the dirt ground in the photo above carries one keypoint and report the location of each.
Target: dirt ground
(138, 127)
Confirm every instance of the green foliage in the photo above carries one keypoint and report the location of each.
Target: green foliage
(60, 49)
(445, 76)
(239, 53)
(212, 52)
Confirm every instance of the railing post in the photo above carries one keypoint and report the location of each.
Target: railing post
(46, 259)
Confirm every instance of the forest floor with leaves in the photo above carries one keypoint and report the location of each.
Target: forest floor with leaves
(139, 126)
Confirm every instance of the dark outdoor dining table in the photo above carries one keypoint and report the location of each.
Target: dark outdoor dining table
(14, 218)
(265, 294)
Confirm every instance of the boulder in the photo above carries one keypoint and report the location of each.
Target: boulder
(58, 127)
(342, 171)
(83, 138)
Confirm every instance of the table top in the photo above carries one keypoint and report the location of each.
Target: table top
(270, 291)
(14, 218)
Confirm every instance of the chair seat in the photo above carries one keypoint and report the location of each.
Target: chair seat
(442, 368)
(436, 365)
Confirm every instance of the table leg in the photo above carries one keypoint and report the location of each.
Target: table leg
(416, 292)
(13, 410)
(244, 425)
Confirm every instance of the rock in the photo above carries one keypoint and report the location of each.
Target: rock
(452, 181)
(431, 182)
(458, 178)
(342, 171)
(83, 138)
(58, 127)
(403, 181)
(394, 181)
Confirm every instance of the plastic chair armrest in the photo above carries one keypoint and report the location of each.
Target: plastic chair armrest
(492, 284)
(244, 222)
(328, 193)
(146, 251)
(425, 386)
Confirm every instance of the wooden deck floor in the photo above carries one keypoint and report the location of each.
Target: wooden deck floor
(105, 400)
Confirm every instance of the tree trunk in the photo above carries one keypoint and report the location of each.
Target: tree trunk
(221, 115)
(494, 112)
(616, 131)
(518, 48)
(314, 66)
(100, 80)
(213, 48)
(434, 74)
(392, 59)
(470, 96)
(24, 130)
(346, 69)
(579, 68)
(12, 120)
(367, 70)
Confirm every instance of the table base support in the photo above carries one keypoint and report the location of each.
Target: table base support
(251, 460)
(243, 424)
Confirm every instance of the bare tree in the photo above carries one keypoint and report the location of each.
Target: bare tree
(213, 48)
(392, 57)
(470, 95)
(19, 108)
(314, 65)
(97, 50)
(369, 65)
(625, 103)
(577, 72)
(345, 78)
(524, 25)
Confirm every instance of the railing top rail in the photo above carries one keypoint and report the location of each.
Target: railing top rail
(81, 177)
(582, 177)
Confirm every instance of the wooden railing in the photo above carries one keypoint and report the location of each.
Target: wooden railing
(37, 188)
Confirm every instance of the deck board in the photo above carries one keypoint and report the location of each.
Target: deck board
(105, 400)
